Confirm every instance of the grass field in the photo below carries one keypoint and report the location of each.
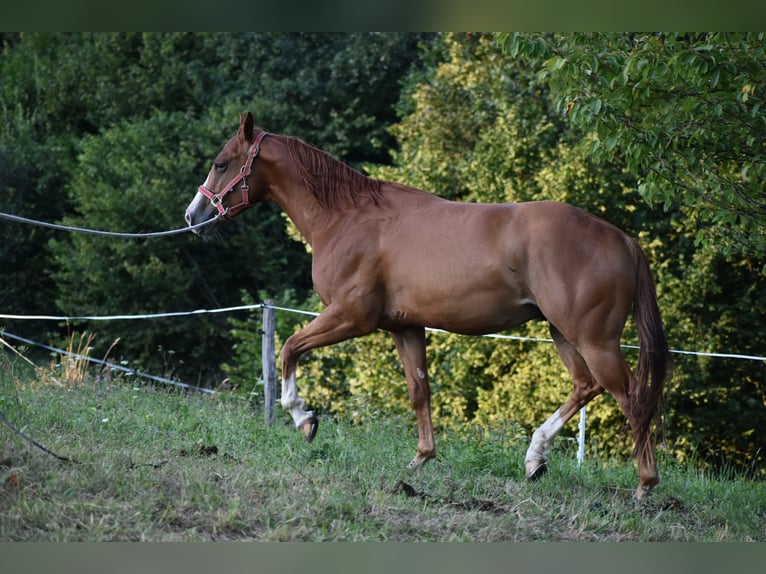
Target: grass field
(159, 465)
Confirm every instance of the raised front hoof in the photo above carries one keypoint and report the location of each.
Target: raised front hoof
(536, 469)
(309, 428)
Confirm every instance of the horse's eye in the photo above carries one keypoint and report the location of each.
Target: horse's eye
(220, 165)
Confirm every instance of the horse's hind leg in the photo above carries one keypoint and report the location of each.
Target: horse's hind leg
(411, 345)
(584, 389)
(612, 372)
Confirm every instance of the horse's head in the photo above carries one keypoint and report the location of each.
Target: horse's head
(226, 191)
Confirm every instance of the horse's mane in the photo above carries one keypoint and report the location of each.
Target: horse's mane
(334, 184)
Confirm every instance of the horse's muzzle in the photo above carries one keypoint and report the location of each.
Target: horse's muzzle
(198, 212)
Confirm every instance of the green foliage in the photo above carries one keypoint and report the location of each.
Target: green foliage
(473, 113)
(684, 111)
(32, 165)
(333, 90)
(128, 178)
(716, 406)
(79, 83)
(245, 368)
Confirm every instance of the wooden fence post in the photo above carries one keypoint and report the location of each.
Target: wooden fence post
(268, 359)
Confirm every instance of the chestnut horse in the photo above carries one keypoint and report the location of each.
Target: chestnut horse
(388, 256)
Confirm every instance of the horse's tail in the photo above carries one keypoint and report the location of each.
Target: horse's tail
(654, 361)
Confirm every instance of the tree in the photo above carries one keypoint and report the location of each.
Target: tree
(684, 111)
(56, 89)
(33, 171)
(131, 177)
(334, 90)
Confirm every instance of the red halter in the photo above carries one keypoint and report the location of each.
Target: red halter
(244, 173)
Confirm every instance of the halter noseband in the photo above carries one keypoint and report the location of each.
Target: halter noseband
(244, 173)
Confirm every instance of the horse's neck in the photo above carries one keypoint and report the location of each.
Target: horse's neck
(301, 207)
(284, 188)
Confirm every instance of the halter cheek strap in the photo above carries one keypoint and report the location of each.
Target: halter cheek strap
(217, 198)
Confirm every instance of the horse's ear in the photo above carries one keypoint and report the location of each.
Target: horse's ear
(246, 127)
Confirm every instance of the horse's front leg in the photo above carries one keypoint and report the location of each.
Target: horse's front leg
(411, 345)
(333, 325)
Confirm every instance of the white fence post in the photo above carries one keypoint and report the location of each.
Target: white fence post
(581, 438)
(268, 359)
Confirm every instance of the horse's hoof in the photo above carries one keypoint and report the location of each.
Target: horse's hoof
(645, 484)
(415, 464)
(643, 491)
(535, 470)
(309, 428)
(418, 461)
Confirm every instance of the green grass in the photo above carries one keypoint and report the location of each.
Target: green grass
(163, 465)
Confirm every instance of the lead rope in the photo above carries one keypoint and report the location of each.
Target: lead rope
(11, 426)
(20, 219)
(32, 441)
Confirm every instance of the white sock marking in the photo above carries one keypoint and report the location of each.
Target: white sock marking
(542, 438)
(292, 403)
